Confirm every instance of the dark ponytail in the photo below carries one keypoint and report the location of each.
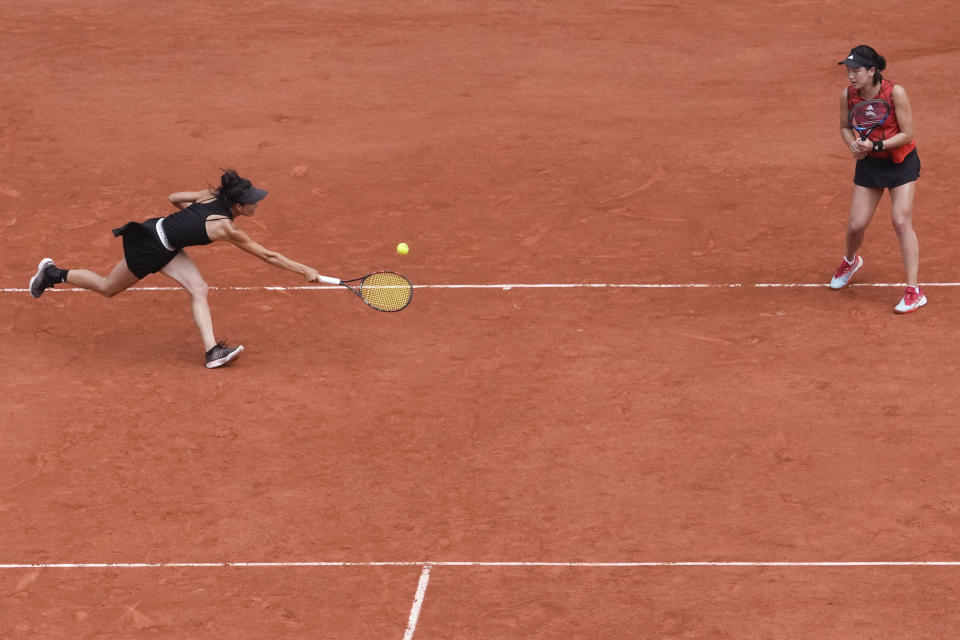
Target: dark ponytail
(232, 187)
(877, 61)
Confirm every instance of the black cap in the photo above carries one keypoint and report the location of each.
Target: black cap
(856, 60)
(252, 195)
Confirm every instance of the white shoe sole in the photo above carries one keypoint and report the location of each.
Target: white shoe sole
(39, 274)
(213, 364)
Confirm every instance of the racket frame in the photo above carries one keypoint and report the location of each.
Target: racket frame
(358, 290)
(866, 131)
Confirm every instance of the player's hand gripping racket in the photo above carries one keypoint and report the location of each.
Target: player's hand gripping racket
(868, 115)
(382, 290)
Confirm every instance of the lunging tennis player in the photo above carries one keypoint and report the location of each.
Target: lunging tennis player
(158, 244)
(887, 159)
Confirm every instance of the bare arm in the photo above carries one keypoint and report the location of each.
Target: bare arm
(228, 231)
(901, 103)
(183, 199)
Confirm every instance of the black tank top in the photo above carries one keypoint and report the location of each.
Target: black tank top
(188, 228)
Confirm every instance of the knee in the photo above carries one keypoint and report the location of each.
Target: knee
(198, 289)
(902, 223)
(856, 228)
(107, 290)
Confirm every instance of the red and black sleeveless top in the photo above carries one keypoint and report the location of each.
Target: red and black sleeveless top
(887, 129)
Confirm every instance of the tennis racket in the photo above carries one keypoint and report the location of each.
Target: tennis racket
(868, 115)
(381, 290)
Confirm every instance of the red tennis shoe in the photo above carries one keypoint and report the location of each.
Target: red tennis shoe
(845, 271)
(912, 300)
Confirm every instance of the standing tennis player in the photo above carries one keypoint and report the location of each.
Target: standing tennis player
(158, 244)
(886, 160)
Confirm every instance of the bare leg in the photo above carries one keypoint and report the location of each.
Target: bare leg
(863, 204)
(901, 214)
(120, 279)
(185, 272)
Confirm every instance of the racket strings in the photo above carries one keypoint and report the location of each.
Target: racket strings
(868, 114)
(386, 291)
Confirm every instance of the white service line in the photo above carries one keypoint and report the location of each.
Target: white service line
(417, 603)
(557, 285)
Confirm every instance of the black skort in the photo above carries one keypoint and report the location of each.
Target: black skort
(142, 249)
(884, 173)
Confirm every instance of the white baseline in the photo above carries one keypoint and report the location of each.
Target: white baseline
(468, 563)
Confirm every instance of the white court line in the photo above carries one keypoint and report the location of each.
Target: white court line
(455, 563)
(557, 285)
(417, 603)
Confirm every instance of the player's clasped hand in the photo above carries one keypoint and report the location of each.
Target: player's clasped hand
(860, 148)
(312, 275)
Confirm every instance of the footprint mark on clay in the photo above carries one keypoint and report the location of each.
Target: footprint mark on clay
(23, 584)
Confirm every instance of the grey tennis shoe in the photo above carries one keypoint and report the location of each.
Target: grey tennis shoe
(221, 354)
(40, 282)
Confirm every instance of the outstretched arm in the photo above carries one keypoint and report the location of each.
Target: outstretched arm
(226, 230)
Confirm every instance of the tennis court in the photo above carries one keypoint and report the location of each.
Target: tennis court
(623, 402)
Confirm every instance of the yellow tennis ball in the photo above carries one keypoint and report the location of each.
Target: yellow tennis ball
(403, 249)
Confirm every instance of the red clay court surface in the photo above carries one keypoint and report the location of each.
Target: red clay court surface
(522, 462)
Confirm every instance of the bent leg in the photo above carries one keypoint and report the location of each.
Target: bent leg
(901, 214)
(863, 204)
(120, 279)
(185, 272)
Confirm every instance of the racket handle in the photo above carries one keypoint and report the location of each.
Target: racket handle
(327, 280)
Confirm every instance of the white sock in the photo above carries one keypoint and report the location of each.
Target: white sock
(850, 261)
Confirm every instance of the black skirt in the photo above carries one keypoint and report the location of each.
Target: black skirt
(884, 173)
(142, 249)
